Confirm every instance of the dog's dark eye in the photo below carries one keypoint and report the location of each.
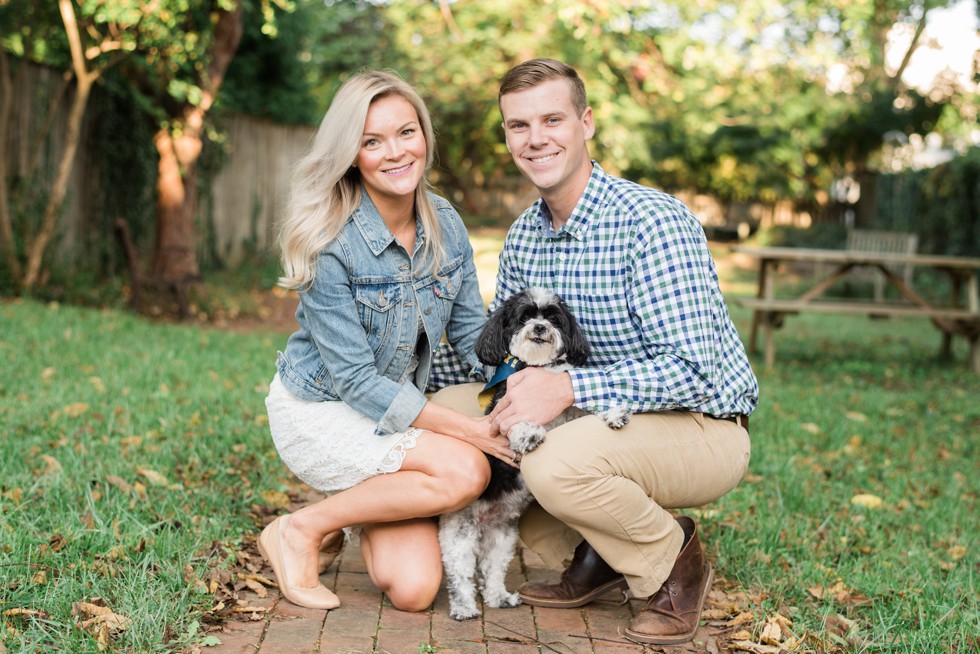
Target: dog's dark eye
(553, 316)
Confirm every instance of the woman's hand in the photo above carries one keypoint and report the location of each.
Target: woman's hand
(497, 446)
(478, 432)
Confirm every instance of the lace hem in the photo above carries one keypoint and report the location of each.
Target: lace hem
(392, 461)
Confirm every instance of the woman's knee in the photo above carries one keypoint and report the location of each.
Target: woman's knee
(413, 594)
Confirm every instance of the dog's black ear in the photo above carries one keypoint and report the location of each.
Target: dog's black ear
(494, 340)
(577, 347)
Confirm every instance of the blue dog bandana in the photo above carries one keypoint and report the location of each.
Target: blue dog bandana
(510, 365)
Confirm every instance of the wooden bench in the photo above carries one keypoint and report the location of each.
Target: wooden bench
(952, 322)
(875, 241)
(960, 316)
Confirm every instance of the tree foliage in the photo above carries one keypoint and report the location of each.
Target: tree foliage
(755, 100)
(749, 100)
(172, 55)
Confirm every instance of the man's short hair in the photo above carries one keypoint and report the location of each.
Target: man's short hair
(535, 71)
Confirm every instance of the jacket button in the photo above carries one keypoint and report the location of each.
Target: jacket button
(428, 311)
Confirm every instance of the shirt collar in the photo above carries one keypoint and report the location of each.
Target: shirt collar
(584, 214)
(372, 226)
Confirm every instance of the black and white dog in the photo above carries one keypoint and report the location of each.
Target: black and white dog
(536, 328)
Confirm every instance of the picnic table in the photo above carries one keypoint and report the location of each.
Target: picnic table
(959, 317)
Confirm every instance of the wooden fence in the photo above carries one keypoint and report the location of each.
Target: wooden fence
(248, 195)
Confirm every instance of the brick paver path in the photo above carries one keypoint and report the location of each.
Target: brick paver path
(367, 624)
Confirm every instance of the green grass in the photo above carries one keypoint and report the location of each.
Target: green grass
(94, 402)
(856, 407)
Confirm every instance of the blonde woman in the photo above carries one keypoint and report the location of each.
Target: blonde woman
(383, 268)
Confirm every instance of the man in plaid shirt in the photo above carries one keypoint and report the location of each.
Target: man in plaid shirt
(633, 265)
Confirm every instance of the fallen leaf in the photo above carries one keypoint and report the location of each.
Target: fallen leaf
(276, 498)
(867, 500)
(75, 409)
(715, 614)
(744, 617)
(33, 613)
(840, 594)
(810, 427)
(839, 625)
(257, 588)
(755, 648)
(152, 476)
(250, 609)
(772, 634)
(97, 384)
(99, 621)
(51, 465)
(57, 542)
(856, 417)
(265, 581)
(119, 483)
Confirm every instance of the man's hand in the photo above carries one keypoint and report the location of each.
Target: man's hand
(533, 395)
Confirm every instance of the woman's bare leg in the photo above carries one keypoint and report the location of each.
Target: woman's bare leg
(440, 474)
(404, 560)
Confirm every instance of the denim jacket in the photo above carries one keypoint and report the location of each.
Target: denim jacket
(359, 321)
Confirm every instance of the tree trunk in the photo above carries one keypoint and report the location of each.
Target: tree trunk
(175, 257)
(7, 244)
(85, 80)
(175, 262)
(73, 135)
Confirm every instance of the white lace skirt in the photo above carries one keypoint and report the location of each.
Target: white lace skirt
(329, 445)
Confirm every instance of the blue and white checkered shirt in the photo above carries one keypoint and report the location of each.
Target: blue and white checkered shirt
(634, 267)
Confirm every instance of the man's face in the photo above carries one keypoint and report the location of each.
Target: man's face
(547, 139)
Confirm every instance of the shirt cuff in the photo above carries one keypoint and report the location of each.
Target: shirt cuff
(402, 412)
(590, 386)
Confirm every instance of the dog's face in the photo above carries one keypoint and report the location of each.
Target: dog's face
(536, 327)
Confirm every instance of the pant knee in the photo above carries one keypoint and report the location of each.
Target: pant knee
(549, 481)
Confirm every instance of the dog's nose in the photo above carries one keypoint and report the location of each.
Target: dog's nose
(539, 329)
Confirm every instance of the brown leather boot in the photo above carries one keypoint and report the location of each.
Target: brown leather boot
(585, 579)
(672, 614)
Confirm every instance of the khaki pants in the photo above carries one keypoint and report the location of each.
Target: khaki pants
(615, 487)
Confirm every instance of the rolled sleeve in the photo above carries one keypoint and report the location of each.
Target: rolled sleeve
(402, 411)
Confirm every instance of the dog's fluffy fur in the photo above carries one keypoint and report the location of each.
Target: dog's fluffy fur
(478, 541)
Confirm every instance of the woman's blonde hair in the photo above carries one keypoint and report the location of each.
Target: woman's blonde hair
(326, 187)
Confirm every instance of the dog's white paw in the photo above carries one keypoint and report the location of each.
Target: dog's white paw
(616, 417)
(526, 436)
(464, 613)
(508, 601)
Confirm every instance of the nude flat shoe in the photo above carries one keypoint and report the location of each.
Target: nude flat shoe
(270, 547)
(330, 549)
